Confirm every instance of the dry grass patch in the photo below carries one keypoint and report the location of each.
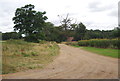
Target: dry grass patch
(19, 55)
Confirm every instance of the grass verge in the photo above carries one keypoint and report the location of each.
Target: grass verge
(106, 52)
(19, 55)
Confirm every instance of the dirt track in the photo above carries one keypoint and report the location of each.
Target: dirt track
(74, 63)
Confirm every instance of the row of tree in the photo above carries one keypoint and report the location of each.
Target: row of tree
(53, 33)
(32, 24)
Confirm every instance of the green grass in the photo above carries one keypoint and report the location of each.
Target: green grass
(19, 55)
(106, 52)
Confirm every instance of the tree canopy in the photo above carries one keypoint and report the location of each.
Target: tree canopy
(29, 22)
(80, 31)
(32, 24)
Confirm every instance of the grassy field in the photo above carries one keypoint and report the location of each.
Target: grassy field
(19, 55)
(106, 52)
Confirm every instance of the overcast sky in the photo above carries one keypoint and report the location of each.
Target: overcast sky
(94, 14)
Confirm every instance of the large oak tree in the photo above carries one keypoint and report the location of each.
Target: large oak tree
(29, 22)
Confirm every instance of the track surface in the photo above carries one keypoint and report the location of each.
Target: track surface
(73, 63)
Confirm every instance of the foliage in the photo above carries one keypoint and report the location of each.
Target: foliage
(116, 32)
(101, 43)
(32, 24)
(0, 35)
(52, 33)
(29, 22)
(98, 34)
(98, 43)
(102, 51)
(11, 35)
(80, 31)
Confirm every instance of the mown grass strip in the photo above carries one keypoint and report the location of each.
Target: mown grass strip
(106, 52)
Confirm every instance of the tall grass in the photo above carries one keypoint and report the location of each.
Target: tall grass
(19, 55)
(101, 43)
(106, 47)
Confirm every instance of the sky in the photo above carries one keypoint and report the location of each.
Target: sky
(94, 14)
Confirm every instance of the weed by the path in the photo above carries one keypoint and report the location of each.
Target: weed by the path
(19, 55)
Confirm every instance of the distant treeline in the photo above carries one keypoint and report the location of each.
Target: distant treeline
(32, 24)
(53, 33)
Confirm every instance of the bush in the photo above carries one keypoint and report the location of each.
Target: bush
(31, 39)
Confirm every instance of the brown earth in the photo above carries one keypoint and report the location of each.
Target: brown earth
(73, 63)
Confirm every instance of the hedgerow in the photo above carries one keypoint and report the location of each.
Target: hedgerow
(101, 43)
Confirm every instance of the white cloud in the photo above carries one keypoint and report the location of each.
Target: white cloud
(93, 13)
